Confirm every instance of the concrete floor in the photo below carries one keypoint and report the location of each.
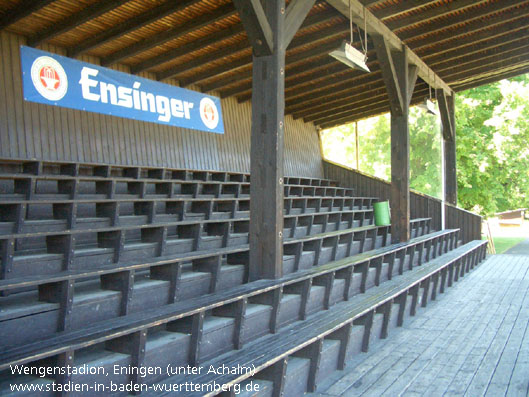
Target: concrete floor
(472, 341)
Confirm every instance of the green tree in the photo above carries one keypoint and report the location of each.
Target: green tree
(375, 149)
(492, 127)
(492, 146)
(425, 152)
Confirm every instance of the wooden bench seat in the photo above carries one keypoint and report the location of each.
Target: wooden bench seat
(37, 167)
(25, 218)
(305, 338)
(18, 186)
(365, 312)
(261, 292)
(341, 242)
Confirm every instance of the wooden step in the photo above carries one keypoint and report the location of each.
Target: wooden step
(173, 312)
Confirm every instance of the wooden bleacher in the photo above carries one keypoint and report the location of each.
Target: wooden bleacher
(143, 266)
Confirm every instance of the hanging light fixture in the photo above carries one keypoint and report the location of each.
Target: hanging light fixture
(349, 55)
(428, 105)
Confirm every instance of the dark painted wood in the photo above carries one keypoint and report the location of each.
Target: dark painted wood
(218, 14)
(396, 73)
(21, 10)
(447, 127)
(391, 76)
(130, 25)
(257, 26)
(92, 11)
(450, 165)
(267, 153)
(296, 12)
(421, 206)
(188, 48)
(31, 130)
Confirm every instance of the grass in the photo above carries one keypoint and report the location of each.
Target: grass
(502, 244)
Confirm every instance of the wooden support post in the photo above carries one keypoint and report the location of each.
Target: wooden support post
(64, 361)
(270, 28)
(313, 353)
(276, 374)
(447, 110)
(400, 78)
(266, 189)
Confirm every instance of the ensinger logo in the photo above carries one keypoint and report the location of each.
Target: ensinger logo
(49, 78)
(209, 113)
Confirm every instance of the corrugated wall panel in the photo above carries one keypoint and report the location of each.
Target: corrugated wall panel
(30, 130)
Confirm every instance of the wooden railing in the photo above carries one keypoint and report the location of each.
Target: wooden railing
(467, 222)
(421, 205)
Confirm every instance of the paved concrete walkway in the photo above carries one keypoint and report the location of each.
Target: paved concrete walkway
(521, 248)
(472, 341)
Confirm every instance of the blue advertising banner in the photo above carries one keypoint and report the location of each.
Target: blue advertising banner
(56, 80)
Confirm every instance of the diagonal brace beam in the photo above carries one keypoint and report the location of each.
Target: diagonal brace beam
(389, 74)
(413, 73)
(257, 27)
(296, 12)
(448, 130)
(376, 26)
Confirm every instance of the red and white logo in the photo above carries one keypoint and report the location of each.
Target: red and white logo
(209, 113)
(49, 78)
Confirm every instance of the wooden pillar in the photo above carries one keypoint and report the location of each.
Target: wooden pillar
(399, 78)
(448, 119)
(266, 187)
(270, 28)
(400, 178)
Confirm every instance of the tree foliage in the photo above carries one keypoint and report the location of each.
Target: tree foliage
(493, 146)
(375, 149)
(492, 127)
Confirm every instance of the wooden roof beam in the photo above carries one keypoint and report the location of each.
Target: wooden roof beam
(74, 20)
(326, 105)
(256, 25)
(132, 24)
(246, 61)
(311, 109)
(191, 47)
(488, 80)
(375, 26)
(418, 96)
(434, 60)
(474, 32)
(372, 3)
(213, 86)
(405, 6)
(476, 20)
(503, 19)
(458, 48)
(243, 89)
(490, 68)
(374, 109)
(218, 14)
(373, 97)
(330, 104)
(21, 10)
(434, 12)
(211, 38)
(500, 41)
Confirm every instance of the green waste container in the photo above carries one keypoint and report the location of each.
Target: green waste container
(381, 210)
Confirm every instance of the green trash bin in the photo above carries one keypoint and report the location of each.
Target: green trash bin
(381, 210)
